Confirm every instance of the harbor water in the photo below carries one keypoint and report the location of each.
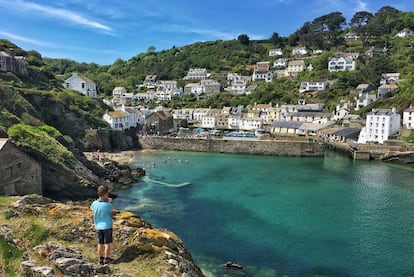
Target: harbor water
(280, 216)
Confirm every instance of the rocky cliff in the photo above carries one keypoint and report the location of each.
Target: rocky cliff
(40, 237)
(80, 181)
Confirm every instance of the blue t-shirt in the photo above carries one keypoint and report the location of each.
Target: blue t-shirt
(102, 214)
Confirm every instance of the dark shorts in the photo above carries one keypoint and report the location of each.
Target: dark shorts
(104, 236)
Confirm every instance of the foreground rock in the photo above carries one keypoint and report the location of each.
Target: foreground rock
(67, 244)
(406, 157)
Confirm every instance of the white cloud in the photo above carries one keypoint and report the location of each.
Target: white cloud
(181, 29)
(361, 6)
(26, 39)
(62, 14)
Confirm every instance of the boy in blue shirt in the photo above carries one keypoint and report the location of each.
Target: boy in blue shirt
(102, 218)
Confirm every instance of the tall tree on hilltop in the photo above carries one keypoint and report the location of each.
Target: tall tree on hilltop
(244, 39)
(360, 19)
(384, 20)
(329, 26)
(359, 24)
(322, 32)
(276, 39)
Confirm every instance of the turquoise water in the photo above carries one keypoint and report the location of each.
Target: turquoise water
(281, 216)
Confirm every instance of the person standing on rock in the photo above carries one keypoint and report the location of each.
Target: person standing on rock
(102, 218)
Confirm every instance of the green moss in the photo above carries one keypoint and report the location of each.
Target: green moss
(9, 213)
(42, 139)
(9, 258)
(36, 234)
(5, 200)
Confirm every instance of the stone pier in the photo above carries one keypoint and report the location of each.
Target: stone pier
(298, 148)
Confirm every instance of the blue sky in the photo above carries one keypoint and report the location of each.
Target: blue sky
(101, 31)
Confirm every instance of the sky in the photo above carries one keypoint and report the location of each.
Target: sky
(101, 31)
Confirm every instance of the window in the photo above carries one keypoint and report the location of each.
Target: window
(83, 85)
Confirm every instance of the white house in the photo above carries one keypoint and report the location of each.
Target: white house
(143, 96)
(299, 51)
(251, 123)
(408, 118)
(238, 87)
(126, 98)
(313, 85)
(380, 124)
(81, 84)
(231, 77)
(194, 88)
(169, 85)
(342, 110)
(405, 33)
(351, 36)
(122, 119)
(234, 121)
(199, 113)
(162, 95)
(341, 64)
(275, 52)
(196, 74)
(209, 121)
(364, 99)
(259, 75)
(390, 78)
(186, 113)
(118, 91)
(280, 63)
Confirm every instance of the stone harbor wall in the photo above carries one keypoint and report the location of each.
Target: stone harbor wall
(300, 148)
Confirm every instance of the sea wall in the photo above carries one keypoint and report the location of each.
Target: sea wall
(299, 148)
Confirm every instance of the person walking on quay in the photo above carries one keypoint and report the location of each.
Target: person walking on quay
(102, 218)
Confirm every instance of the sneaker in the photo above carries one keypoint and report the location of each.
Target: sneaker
(108, 260)
(101, 260)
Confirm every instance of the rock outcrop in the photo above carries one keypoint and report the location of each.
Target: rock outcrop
(67, 245)
(406, 157)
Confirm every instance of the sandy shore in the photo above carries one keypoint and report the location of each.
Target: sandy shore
(122, 157)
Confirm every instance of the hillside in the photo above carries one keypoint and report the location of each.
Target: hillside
(54, 126)
(325, 33)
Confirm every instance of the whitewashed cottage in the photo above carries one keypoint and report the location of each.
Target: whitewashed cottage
(123, 118)
(380, 124)
(408, 118)
(313, 85)
(81, 84)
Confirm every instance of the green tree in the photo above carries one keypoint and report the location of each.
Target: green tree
(276, 39)
(360, 19)
(244, 39)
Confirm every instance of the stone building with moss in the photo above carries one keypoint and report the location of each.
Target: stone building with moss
(19, 173)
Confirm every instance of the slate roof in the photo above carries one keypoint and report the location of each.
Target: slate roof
(287, 124)
(347, 132)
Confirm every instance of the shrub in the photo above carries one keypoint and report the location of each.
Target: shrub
(42, 139)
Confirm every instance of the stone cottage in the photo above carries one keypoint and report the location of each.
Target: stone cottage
(19, 173)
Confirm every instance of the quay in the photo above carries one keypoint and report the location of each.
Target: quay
(300, 147)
